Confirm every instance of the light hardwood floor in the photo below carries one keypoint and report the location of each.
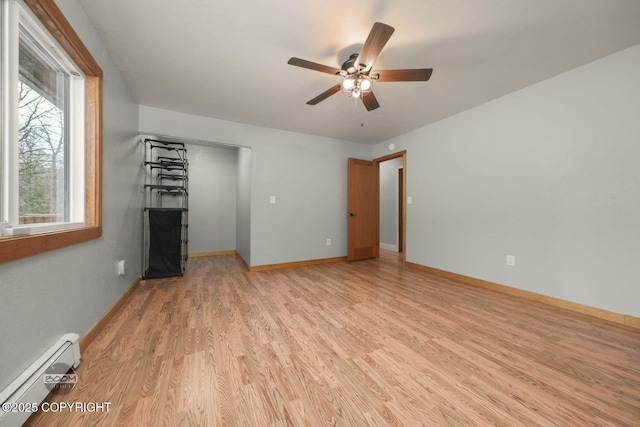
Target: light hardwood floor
(349, 344)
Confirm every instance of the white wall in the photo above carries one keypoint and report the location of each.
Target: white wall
(68, 290)
(212, 198)
(389, 183)
(307, 174)
(550, 174)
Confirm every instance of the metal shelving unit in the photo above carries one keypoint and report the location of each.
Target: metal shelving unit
(165, 228)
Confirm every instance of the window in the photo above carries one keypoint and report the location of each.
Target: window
(50, 143)
(43, 140)
(50, 157)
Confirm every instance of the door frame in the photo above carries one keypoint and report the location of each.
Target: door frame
(402, 249)
(401, 210)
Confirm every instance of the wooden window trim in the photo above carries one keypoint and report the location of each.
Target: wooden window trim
(15, 247)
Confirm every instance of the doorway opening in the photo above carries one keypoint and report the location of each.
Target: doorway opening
(392, 200)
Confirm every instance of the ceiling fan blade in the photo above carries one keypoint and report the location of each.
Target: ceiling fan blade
(313, 66)
(378, 37)
(412, 75)
(324, 95)
(370, 102)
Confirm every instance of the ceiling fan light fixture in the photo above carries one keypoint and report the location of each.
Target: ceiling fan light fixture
(356, 85)
(348, 83)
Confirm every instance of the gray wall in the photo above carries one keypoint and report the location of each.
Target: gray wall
(307, 174)
(549, 174)
(212, 198)
(243, 205)
(389, 183)
(68, 290)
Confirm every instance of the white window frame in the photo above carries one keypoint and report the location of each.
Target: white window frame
(26, 20)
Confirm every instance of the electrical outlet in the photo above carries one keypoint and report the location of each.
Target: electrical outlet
(511, 260)
(121, 267)
(328, 242)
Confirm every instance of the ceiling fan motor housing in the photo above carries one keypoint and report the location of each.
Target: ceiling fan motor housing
(350, 64)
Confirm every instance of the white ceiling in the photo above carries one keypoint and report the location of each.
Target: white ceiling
(228, 59)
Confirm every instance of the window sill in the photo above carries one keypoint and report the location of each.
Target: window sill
(16, 247)
(32, 229)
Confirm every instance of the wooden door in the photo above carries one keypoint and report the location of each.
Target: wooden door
(363, 205)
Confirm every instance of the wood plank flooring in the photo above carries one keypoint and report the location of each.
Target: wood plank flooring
(349, 344)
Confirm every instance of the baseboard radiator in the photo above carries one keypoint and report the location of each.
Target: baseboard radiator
(32, 386)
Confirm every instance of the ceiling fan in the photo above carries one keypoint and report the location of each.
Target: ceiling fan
(357, 78)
